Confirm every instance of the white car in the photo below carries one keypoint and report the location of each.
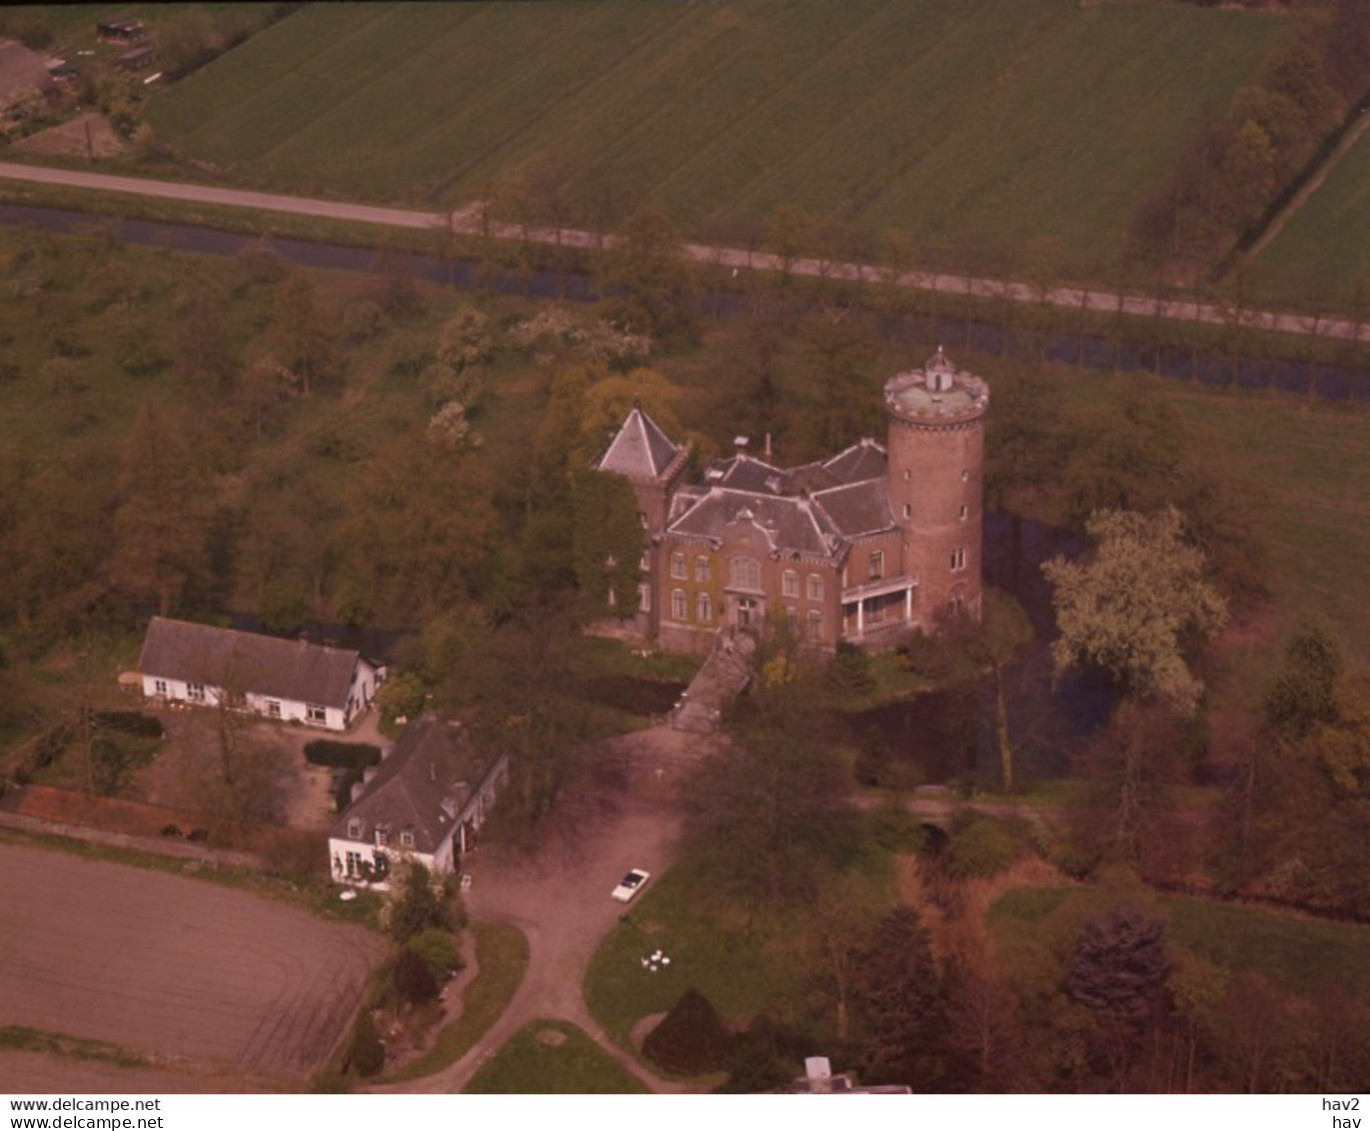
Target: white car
(631, 884)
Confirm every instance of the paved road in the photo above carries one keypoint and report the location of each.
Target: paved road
(469, 221)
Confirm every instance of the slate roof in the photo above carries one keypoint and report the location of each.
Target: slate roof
(857, 509)
(420, 788)
(248, 662)
(640, 450)
(811, 509)
(790, 523)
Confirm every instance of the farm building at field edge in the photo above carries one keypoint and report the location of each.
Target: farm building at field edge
(290, 680)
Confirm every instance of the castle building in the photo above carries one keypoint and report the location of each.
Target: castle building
(864, 548)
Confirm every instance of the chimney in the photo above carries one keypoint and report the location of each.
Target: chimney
(740, 443)
(768, 447)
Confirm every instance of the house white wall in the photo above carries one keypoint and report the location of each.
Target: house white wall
(344, 854)
(287, 710)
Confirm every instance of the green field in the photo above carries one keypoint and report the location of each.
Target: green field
(1322, 257)
(973, 129)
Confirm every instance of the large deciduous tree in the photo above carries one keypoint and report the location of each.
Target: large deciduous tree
(163, 517)
(1137, 605)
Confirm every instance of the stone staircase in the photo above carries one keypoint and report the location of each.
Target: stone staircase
(725, 672)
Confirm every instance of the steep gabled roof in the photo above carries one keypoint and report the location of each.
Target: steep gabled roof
(640, 450)
(790, 523)
(419, 789)
(857, 508)
(248, 662)
(864, 460)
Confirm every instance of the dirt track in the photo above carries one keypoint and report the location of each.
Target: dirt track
(173, 966)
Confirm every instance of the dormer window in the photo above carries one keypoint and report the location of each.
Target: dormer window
(382, 836)
(354, 830)
(407, 839)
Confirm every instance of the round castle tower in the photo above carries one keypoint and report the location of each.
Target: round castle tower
(936, 482)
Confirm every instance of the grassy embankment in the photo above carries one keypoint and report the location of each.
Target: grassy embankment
(502, 958)
(552, 1057)
(978, 132)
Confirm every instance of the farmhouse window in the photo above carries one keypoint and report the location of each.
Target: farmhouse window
(354, 864)
(815, 587)
(382, 836)
(273, 708)
(195, 692)
(159, 685)
(789, 583)
(316, 714)
(407, 839)
(678, 566)
(354, 830)
(680, 607)
(703, 571)
(746, 573)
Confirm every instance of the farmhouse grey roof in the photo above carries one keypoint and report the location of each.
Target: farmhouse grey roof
(248, 662)
(419, 789)
(640, 449)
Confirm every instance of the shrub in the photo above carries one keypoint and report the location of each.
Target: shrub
(367, 1054)
(691, 1039)
(895, 829)
(414, 984)
(979, 847)
(131, 722)
(349, 755)
(438, 949)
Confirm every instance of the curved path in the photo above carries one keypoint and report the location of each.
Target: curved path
(560, 900)
(472, 221)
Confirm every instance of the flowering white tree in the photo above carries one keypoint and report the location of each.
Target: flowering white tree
(1137, 604)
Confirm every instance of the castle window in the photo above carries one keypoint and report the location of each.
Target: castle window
(703, 571)
(965, 474)
(642, 518)
(965, 510)
(746, 574)
(643, 563)
(815, 587)
(877, 565)
(792, 618)
(678, 566)
(815, 625)
(908, 510)
(789, 583)
(958, 558)
(644, 597)
(704, 609)
(907, 475)
(680, 607)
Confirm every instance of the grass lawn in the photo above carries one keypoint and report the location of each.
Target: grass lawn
(743, 959)
(976, 129)
(502, 953)
(1300, 954)
(553, 1056)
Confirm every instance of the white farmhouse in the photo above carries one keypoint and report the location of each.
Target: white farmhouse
(280, 679)
(426, 802)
